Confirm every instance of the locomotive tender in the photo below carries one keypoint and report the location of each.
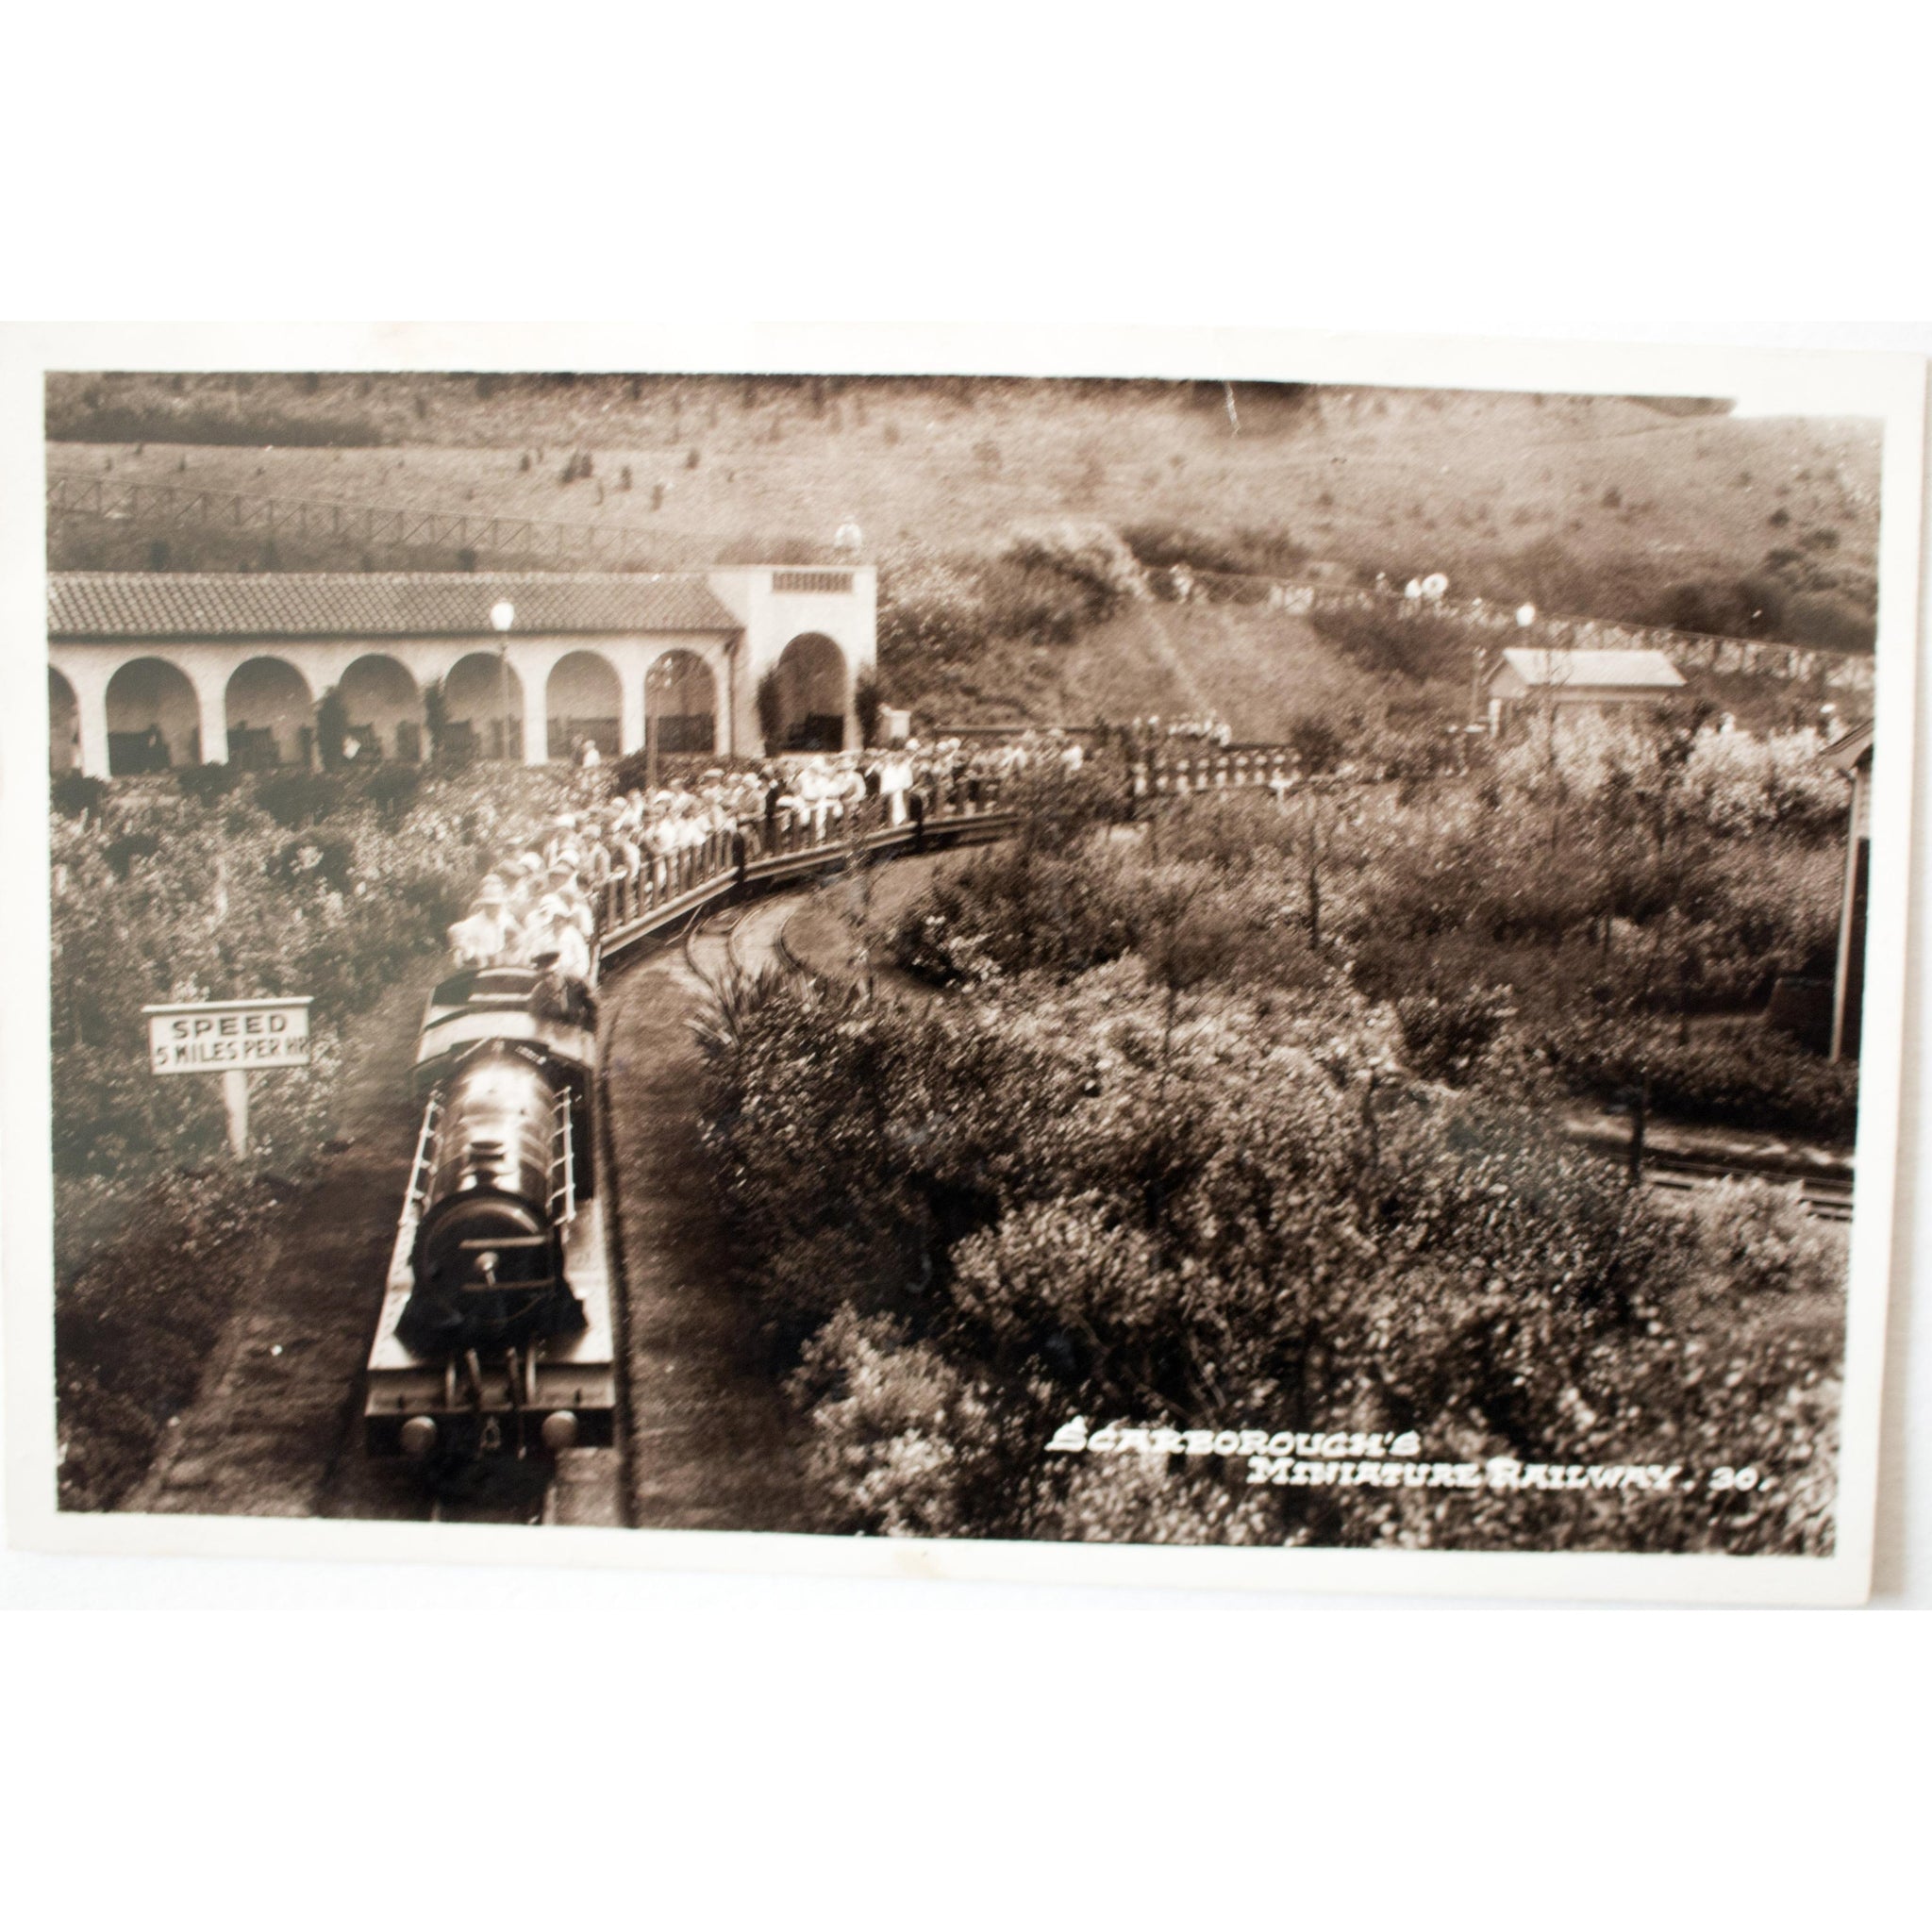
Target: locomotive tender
(496, 1333)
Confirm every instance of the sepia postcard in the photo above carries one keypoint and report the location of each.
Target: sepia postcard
(1159, 957)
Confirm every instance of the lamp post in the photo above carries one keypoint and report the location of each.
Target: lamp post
(502, 614)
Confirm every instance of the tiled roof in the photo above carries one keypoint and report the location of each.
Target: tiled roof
(336, 603)
(1639, 670)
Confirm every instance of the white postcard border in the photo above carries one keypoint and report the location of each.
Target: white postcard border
(1887, 386)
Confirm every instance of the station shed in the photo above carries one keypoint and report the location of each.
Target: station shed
(1578, 680)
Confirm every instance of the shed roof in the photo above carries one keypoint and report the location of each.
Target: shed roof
(1629, 670)
(338, 603)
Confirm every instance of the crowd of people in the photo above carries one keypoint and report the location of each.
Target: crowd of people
(616, 855)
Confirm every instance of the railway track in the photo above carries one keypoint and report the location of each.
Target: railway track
(710, 943)
(714, 944)
(1826, 1197)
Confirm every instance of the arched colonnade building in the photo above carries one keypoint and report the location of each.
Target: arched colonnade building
(151, 670)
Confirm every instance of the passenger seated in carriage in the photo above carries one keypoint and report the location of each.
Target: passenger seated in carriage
(488, 935)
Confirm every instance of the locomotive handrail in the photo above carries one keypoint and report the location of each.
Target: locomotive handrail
(419, 1166)
(563, 1170)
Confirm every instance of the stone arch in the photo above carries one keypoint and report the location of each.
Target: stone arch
(154, 717)
(681, 703)
(483, 708)
(63, 725)
(270, 714)
(583, 700)
(813, 690)
(382, 708)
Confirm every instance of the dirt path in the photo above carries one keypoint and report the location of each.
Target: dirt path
(266, 1433)
(713, 1444)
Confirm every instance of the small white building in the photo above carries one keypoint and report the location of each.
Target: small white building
(151, 670)
(1587, 680)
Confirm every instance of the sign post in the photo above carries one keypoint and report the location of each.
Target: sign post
(234, 1038)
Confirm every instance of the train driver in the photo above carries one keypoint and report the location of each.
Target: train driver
(554, 942)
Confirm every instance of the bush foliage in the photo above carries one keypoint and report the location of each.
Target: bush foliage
(1244, 1118)
(969, 1227)
(1046, 586)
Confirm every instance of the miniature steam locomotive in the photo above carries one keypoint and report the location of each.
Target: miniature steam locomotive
(496, 1332)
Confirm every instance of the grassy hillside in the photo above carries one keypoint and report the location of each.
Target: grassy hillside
(1262, 670)
(1660, 511)
(1379, 479)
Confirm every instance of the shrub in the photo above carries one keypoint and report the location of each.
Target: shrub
(930, 608)
(1047, 586)
(134, 1328)
(206, 783)
(1445, 1033)
(120, 854)
(1018, 909)
(1735, 1073)
(392, 788)
(1831, 622)
(1317, 744)
(296, 798)
(1250, 553)
(900, 1439)
(1047, 595)
(1422, 646)
(1756, 1236)
(76, 794)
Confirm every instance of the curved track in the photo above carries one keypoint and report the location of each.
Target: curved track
(594, 1487)
(276, 1428)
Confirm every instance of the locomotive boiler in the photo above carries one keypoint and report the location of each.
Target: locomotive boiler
(488, 1263)
(497, 1329)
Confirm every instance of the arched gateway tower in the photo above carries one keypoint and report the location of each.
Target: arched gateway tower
(149, 671)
